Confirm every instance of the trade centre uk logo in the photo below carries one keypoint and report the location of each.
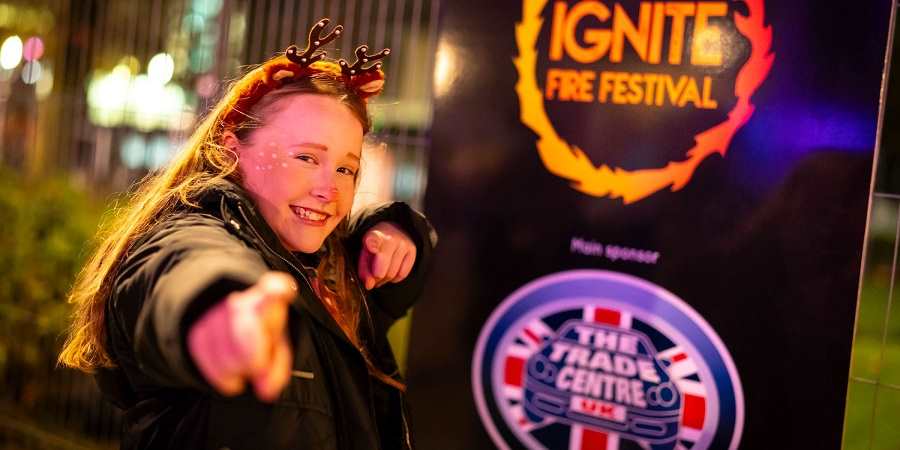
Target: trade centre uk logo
(591, 359)
(670, 34)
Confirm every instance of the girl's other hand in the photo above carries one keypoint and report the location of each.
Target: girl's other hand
(244, 339)
(387, 256)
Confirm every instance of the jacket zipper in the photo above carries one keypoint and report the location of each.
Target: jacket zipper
(266, 245)
(405, 423)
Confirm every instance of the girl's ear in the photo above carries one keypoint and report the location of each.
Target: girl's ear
(231, 142)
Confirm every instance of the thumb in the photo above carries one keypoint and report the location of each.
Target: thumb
(374, 240)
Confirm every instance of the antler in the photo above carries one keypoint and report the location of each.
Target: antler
(363, 58)
(316, 41)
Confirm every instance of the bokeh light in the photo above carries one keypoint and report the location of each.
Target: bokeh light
(131, 63)
(207, 8)
(159, 151)
(161, 68)
(11, 52)
(446, 69)
(121, 98)
(107, 94)
(206, 85)
(133, 152)
(45, 84)
(33, 49)
(31, 73)
(194, 23)
(201, 59)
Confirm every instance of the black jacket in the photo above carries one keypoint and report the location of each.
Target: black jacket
(191, 260)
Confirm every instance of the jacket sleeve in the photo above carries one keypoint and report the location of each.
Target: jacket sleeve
(396, 298)
(168, 282)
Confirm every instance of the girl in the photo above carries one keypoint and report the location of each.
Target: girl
(222, 309)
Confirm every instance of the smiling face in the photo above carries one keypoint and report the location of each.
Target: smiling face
(300, 167)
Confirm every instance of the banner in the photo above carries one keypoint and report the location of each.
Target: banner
(651, 219)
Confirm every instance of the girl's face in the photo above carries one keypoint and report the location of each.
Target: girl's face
(300, 167)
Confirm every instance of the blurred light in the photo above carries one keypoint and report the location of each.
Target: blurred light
(35, 19)
(159, 151)
(107, 94)
(34, 49)
(144, 102)
(123, 71)
(211, 37)
(120, 98)
(31, 73)
(375, 185)
(11, 52)
(45, 84)
(445, 68)
(237, 28)
(193, 23)
(180, 57)
(173, 109)
(131, 63)
(206, 8)
(206, 86)
(152, 106)
(133, 152)
(201, 59)
(408, 181)
(161, 68)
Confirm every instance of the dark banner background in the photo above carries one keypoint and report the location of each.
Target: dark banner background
(764, 243)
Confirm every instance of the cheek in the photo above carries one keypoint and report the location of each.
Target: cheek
(267, 170)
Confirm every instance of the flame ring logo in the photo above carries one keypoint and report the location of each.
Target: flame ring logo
(570, 162)
(586, 359)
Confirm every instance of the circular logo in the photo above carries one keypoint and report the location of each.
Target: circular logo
(569, 161)
(590, 359)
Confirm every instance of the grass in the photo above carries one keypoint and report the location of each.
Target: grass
(873, 400)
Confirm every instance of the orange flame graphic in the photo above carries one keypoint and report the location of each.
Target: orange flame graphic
(572, 163)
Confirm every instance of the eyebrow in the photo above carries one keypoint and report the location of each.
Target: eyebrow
(324, 148)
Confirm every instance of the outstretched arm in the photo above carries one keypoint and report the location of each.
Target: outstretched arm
(164, 288)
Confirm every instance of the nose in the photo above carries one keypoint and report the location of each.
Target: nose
(325, 188)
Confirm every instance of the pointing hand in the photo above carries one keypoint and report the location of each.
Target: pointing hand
(387, 256)
(244, 339)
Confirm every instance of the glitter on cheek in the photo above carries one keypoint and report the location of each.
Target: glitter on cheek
(283, 164)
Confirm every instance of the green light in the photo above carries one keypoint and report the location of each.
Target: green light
(206, 8)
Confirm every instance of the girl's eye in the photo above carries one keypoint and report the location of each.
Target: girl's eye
(307, 158)
(347, 171)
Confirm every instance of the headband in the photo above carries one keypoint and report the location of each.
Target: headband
(362, 79)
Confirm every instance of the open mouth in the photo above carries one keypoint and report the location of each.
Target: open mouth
(310, 216)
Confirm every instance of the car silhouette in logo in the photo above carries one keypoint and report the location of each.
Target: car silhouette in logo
(606, 378)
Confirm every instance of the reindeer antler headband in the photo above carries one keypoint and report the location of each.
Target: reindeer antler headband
(365, 81)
